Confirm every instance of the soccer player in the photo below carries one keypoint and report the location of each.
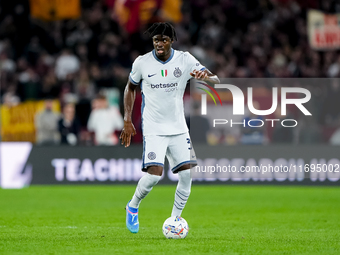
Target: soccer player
(162, 74)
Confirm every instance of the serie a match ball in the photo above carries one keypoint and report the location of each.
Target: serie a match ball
(175, 227)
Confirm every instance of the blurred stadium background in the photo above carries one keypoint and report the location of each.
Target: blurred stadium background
(76, 51)
(64, 66)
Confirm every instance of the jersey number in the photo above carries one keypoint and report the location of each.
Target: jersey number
(188, 141)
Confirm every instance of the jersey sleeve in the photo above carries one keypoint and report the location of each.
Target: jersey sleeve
(136, 73)
(193, 63)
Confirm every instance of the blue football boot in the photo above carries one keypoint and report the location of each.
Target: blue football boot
(132, 222)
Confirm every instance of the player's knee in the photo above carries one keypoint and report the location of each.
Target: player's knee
(185, 181)
(155, 170)
(184, 175)
(153, 179)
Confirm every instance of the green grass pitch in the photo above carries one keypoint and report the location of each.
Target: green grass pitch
(222, 219)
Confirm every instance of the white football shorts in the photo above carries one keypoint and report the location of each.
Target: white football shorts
(177, 149)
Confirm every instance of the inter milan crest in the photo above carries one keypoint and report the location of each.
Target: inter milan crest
(177, 72)
(152, 155)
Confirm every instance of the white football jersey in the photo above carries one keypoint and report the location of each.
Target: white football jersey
(163, 85)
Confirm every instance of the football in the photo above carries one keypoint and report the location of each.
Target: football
(175, 227)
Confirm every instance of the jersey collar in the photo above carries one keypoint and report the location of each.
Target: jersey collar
(163, 62)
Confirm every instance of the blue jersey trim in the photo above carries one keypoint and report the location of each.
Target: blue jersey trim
(142, 123)
(132, 81)
(160, 61)
(143, 152)
(191, 162)
(203, 69)
(143, 106)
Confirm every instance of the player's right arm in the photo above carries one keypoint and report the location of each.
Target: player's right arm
(129, 99)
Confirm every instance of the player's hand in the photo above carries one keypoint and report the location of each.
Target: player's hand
(199, 75)
(127, 131)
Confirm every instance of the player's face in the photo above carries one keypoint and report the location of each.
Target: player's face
(162, 45)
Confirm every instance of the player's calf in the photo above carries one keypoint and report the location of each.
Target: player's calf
(182, 192)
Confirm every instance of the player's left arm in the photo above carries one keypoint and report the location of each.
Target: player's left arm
(205, 75)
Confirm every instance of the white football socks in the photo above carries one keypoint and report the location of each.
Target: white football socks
(182, 192)
(144, 186)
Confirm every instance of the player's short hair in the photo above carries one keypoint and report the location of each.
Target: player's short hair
(162, 28)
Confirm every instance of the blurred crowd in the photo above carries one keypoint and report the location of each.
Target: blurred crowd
(53, 128)
(78, 61)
